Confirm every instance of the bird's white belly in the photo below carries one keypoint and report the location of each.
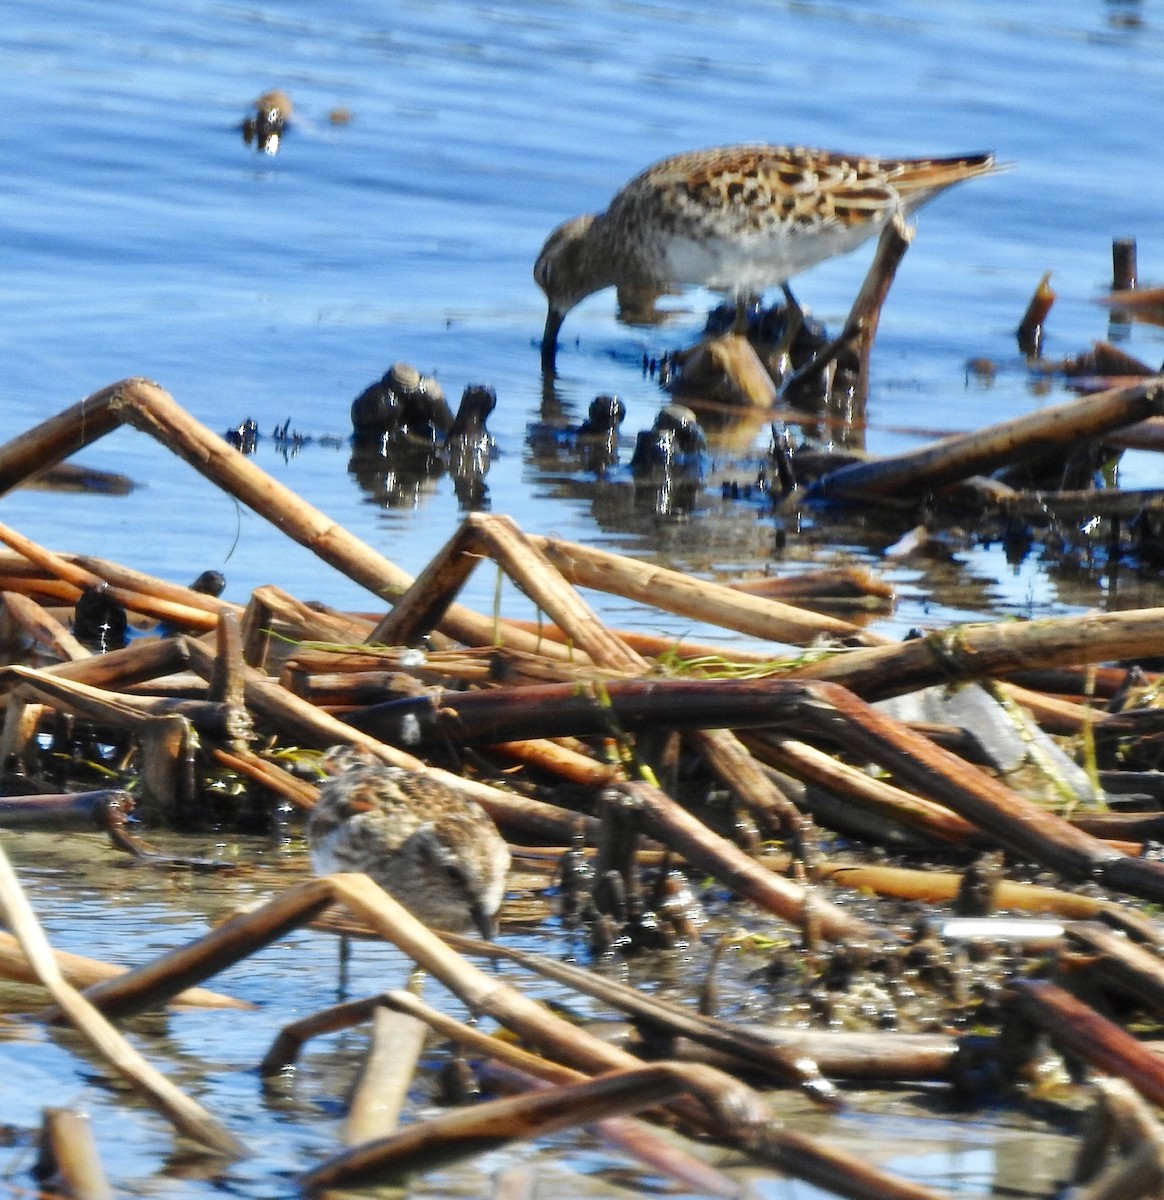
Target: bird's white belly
(751, 262)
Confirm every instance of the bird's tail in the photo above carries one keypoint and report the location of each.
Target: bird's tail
(929, 175)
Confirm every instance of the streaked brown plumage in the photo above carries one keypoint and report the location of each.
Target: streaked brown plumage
(434, 850)
(736, 219)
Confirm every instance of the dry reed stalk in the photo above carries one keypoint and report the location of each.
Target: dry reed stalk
(159, 981)
(122, 711)
(348, 689)
(483, 993)
(523, 561)
(388, 1068)
(244, 762)
(68, 1161)
(952, 458)
(146, 659)
(19, 732)
(762, 1054)
(1057, 715)
(81, 972)
(302, 622)
(188, 1117)
(1118, 961)
(1079, 1030)
(463, 1132)
(227, 683)
(500, 539)
(341, 692)
(290, 1040)
(42, 627)
(664, 1153)
(258, 636)
(855, 786)
(604, 708)
(420, 608)
(865, 314)
(466, 665)
(936, 887)
(76, 810)
(54, 564)
(671, 824)
(117, 575)
(17, 566)
(699, 599)
(139, 602)
(560, 760)
(56, 592)
(734, 766)
(307, 725)
(150, 409)
(37, 450)
(1136, 827)
(156, 982)
(653, 646)
(1017, 823)
(841, 1054)
(979, 651)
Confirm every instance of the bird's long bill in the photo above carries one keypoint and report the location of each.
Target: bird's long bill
(486, 926)
(554, 321)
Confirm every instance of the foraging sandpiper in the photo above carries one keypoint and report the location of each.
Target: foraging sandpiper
(737, 219)
(436, 851)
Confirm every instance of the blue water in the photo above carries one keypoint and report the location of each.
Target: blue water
(140, 236)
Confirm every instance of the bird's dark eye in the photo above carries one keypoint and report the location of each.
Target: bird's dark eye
(455, 873)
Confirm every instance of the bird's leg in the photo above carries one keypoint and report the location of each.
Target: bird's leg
(345, 958)
(745, 301)
(793, 316)
(780, 360)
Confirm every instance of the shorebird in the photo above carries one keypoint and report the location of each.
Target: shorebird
(737, 219)
(437, 852)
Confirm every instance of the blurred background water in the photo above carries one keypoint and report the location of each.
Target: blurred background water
(141, 236)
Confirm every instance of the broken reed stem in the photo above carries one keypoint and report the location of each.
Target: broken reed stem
(305, 724)
(953, 458)
(67, 570)
(121, 711)
(1078, 1029)
(662, 1152)
(699, 599)
(462, 1132)
(1017, 823)
(187, 1117)
(149, 408)
(385, 1076)
(81, 972)
(42, 627)
(675, 827)
(525, 563)
(981, 651)
(68, 1160)
(865, 313)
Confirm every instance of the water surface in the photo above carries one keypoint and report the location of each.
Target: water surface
(142, 237)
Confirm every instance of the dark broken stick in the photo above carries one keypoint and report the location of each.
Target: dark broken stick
(1019, 824)
(953, 458)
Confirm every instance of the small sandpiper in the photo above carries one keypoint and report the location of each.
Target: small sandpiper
(737, 219)
(434, 850)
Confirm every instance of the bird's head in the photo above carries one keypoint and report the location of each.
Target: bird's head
(566, 272)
